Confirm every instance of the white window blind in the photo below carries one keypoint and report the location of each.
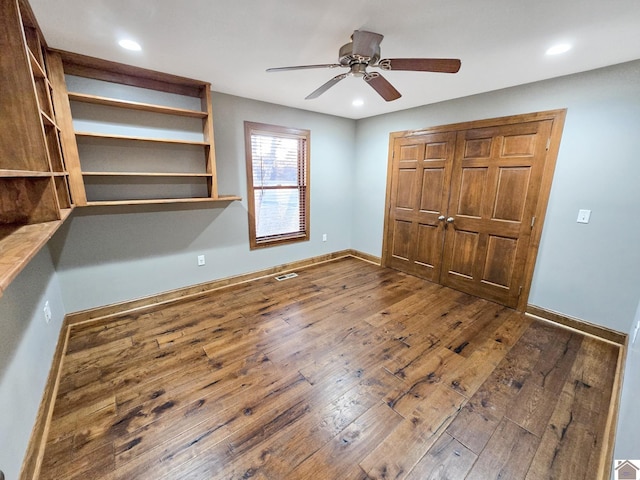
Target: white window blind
(277, 174)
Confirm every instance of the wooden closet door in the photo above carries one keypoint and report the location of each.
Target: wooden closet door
(421, 175)
(495, 185)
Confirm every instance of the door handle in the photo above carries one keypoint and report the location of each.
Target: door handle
(441, 217)
(450, 220)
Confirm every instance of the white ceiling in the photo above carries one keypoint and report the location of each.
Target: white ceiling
(230, 43)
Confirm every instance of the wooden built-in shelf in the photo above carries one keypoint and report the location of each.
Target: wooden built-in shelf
(223, 198)
(20, 243)
(41, 176)
(22, 173)
(145, 174)
(140, 139)
(95, 179)
(146, 107)
(34, 187)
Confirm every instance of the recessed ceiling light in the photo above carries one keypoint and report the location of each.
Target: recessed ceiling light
(130, 45)
(358, 102)
(558, 49)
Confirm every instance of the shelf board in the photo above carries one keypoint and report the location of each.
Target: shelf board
(146, 107)
(30, 174)
(22, 173)
(140, 139)
(227, 198)
(145, 174)
(64, 213)
(20, 243)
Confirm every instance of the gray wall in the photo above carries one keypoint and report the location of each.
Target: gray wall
(27, 344)
(110, 254)
(106, 255)
(587, 271)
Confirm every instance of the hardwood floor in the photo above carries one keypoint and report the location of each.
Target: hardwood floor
(348, 371)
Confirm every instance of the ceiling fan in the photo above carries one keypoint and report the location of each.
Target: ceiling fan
(364, 51)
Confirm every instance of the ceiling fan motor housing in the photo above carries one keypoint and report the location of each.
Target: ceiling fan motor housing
(347, 58)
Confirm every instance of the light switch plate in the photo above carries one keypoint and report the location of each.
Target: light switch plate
(583, 216)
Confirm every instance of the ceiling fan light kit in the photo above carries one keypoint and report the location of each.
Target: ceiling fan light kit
(364, 51)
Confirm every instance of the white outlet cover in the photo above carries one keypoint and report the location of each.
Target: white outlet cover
(583, 216)
(201, 260)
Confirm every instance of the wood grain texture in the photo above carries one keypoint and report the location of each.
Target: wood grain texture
(141, 139)
(30, 157)
(490, 180)
(22, 144)
(20, 243)
(571, 322)
(106, 312)
(496, 177)
(28, 200)
(507, 455)
(207, 135)
(67, 137)
(85, 66)
(145, 107)
(448, 459)
(306, 379)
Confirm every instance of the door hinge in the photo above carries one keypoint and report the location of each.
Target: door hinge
(533, 221)
(548, 143)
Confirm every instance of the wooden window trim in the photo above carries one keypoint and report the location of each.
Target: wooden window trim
(254, 127)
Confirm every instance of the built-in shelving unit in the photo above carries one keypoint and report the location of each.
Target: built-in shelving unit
(47, 167)
(34, 188)
(131, 151)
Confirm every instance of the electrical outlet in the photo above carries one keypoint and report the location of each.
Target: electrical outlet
(47, 312)
(324, 237)
(635, 332)
(201, 261)
(583, 216)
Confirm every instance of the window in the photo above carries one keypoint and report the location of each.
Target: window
(277, 184)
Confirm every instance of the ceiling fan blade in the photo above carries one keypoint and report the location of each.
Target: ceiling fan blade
(366, 44)
(382, 86)
(442, 65)
(325, 87)
(304, 67)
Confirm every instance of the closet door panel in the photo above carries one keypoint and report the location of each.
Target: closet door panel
(420, 179)
(494, 191)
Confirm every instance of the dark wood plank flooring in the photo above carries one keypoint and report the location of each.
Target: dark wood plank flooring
(348, 371)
